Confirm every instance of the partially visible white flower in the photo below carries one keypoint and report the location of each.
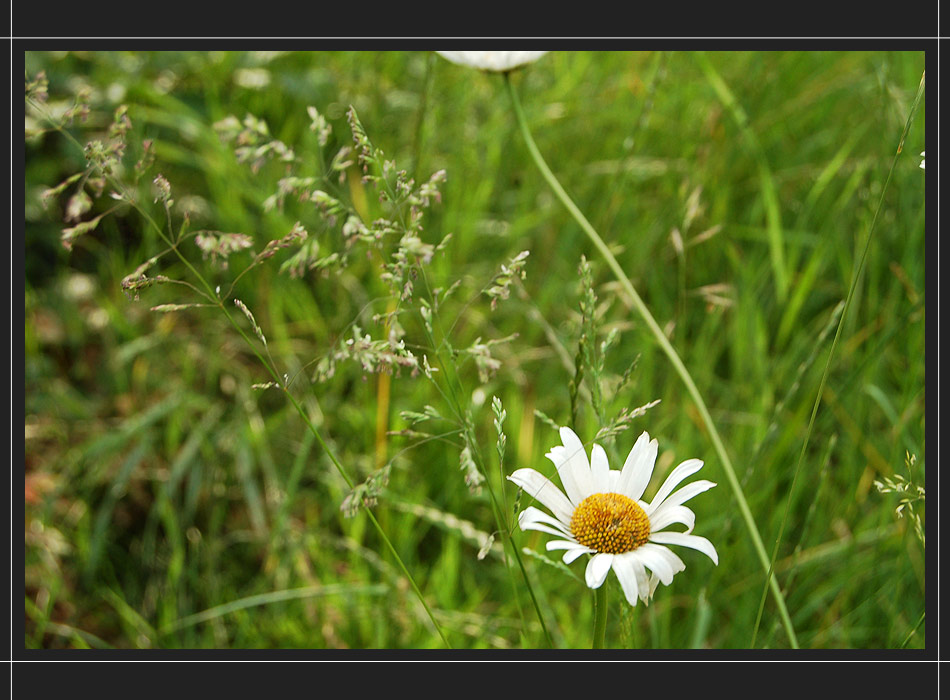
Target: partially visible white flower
(922, 160)
(497, 61)
(602, 514)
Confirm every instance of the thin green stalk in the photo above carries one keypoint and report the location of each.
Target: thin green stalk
(769, 191)
(333, 459)
(665, 346)
(339, 467)
(369, 512)
(913, 631)
(420, 118)
(600, 616)
(271, 597)
(855, 276)
(174, 246)
(454, 388)
(456, 406)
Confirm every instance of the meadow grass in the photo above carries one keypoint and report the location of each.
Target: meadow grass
(170, 504)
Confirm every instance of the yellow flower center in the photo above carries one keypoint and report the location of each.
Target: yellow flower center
(610, 522)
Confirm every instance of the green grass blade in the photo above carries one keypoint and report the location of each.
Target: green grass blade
(773, 213)
(274, 597)
(855, 276)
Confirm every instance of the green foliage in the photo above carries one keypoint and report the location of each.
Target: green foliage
(173, 502)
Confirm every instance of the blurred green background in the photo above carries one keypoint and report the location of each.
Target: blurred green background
(168, 504)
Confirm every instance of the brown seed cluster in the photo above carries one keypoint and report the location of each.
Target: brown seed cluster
(610, 522)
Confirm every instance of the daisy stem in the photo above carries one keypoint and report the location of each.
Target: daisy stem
(600, 616)
(667, 348)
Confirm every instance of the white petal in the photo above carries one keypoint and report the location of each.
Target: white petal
(539, 487)
(599, 470)
(684, 494)
(645, 585)
(626, 571)
(531, 516)
(597, 569)
(572, 466)
(613, 480)
(572, 554)
(540, 528)
(558, 455)
(676, 564)
(667, 514)
(685, 469)
(638, 467)
(492, 60)
(558, 458)
(692, 541)
(652, 558)
(574, 549)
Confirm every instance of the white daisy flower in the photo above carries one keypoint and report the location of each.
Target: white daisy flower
(497, 61)
(922, 160)
(602, 514)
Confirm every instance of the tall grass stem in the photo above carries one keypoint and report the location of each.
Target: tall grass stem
(667, 348)
(336, 462)
(767, 182)
(855, 276)
(454, 389)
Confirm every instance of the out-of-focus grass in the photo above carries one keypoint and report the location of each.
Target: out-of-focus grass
(170, 505)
